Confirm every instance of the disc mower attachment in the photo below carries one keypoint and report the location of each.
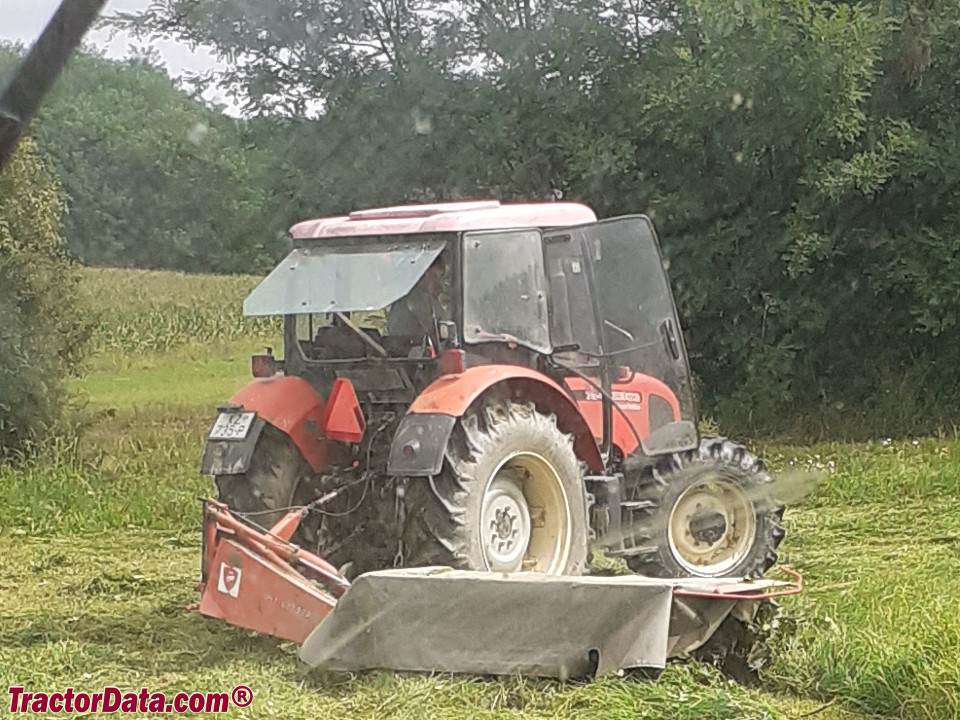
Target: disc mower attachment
(443, 620)
(438, 619)
(257, 579)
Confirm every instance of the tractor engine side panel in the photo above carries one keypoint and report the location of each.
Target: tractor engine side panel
(643, 401)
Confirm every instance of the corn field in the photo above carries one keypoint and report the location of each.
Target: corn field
(142, 311)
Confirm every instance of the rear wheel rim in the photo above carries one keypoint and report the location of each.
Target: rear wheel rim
(712, 527)
(525, 518)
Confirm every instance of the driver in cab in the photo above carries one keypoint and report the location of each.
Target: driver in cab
(418, 313)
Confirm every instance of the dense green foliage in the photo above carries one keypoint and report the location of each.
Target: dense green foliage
(152, 178)
(800, 159)
(43, 326)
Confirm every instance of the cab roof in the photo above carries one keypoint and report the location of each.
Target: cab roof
(445, 217)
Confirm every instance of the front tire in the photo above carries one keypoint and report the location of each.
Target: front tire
(509, 498)
(709, 512)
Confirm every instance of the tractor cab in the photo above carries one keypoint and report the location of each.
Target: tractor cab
(375, 299)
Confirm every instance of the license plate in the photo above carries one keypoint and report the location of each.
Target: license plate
(232, 426)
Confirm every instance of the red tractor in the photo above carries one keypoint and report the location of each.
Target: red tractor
(487, 387)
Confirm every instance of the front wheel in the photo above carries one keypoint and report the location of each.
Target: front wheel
(709, 512)
(509, 498)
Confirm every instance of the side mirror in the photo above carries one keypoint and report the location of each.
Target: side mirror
(447, 329)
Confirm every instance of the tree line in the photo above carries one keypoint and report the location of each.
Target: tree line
(151, 177)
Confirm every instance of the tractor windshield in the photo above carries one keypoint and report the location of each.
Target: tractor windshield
(354, 276)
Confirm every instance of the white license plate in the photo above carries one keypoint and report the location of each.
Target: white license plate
(232, 426)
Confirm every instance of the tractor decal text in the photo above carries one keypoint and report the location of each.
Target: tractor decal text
(619, 396)
(288, 606)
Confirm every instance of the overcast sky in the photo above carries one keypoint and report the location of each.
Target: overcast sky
(24, 19)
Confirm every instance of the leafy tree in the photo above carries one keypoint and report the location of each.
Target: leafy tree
(152, 178)
(44, 327)
(800, 159)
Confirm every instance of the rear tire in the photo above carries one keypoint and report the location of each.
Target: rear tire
(276, 469)
(708, 512)
(509, 498)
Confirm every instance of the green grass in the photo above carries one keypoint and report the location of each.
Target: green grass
(99, 549)
(188, 375)
(110, 610)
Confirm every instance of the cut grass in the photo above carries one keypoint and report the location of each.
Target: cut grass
(109, 610)
(100, 594)
(99, 548)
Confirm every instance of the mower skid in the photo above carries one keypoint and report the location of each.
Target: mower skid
(760, 589)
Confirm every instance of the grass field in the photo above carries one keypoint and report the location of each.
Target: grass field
(99, 549)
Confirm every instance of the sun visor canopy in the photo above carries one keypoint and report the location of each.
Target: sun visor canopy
(359, 277)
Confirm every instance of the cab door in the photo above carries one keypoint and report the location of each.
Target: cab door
(640, 335)
(574, 331)
(575, 327)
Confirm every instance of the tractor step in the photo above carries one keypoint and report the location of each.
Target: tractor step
(632, 551)
(638, 505)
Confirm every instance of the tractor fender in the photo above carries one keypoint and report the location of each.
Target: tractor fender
(419, 443)
(291, 405)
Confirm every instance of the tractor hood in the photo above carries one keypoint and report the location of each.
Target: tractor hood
(352, 277)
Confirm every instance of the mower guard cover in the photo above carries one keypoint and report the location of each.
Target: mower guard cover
(502, 624)
(443, 620)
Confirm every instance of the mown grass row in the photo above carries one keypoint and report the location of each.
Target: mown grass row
(99, 548)
(877, 632)
(109, 610)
